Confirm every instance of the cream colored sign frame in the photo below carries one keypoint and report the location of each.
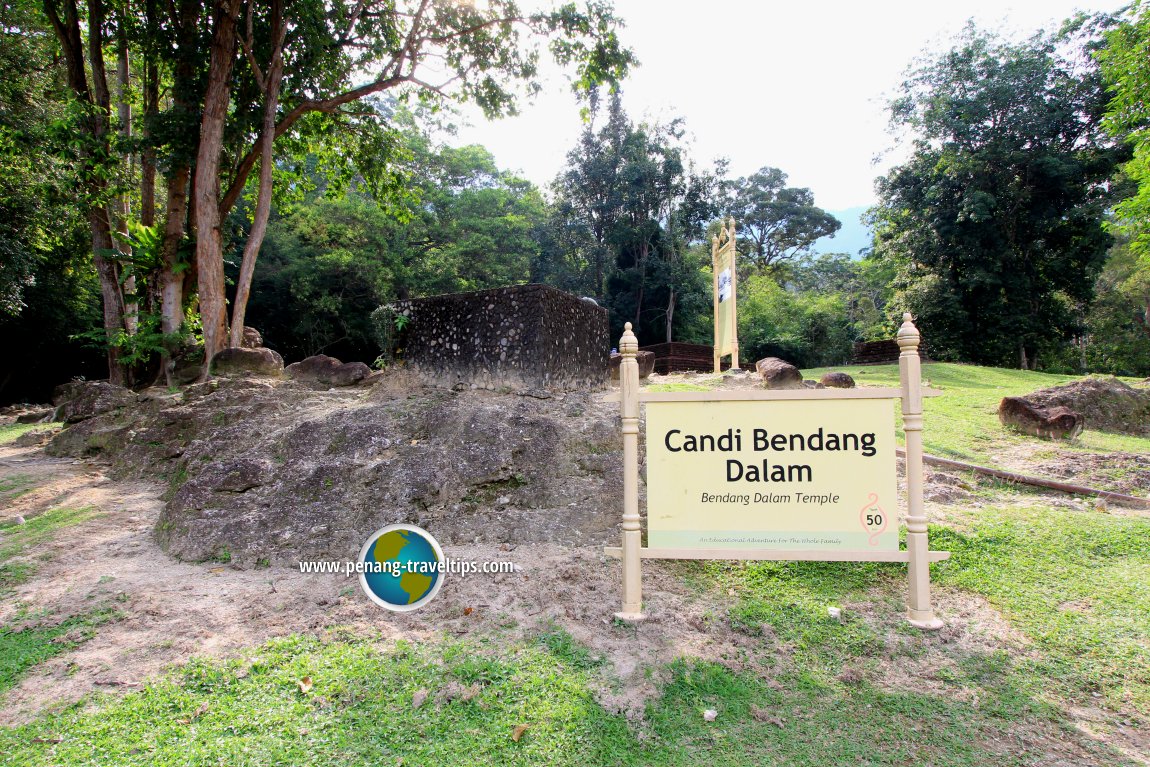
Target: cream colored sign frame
(917, 554)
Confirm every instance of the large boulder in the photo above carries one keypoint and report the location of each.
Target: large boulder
(241, 361)
(1107, 404)
(779, 374)
(95, 398)
(837, 381)
(646, 362)
(329, 371)
(1037, 421)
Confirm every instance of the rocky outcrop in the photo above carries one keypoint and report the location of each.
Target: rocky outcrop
(243, 361)
(1107, 404)
(779, 374)
(837, 381)
(1047, 423)
(265, 469)
(92, 398)
(328, 371)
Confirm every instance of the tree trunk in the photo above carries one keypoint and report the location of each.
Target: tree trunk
(95, 125)
(122, 204)
(271, 88)
(151, 109)
(209, 238)
(670, 313)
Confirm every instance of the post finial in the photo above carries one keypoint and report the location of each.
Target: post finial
(628, 344)
(908, 335)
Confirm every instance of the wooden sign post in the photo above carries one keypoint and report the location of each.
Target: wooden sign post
(725, 284)
(799, 474)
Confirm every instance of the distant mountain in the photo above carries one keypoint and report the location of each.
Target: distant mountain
(853, 237)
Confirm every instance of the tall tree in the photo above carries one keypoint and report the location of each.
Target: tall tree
(247, 76)
(996, 220)
(777, 223)
(94, 154)
(1125, 61)
(627, 206)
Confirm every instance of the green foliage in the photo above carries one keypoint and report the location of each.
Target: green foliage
(776, 223)
(808, 329)
(138, 348)
(1125, 63)
(629, 206)
(328, 263)
(995, 221)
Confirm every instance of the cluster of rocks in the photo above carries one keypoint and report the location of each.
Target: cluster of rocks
(780, 374)
(77, 401)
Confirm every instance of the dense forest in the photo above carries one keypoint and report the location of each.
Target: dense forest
(170, 173)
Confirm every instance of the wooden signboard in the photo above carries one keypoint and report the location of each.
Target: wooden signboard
(800, 474)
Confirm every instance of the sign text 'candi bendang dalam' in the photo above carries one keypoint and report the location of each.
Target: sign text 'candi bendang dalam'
(790, 475)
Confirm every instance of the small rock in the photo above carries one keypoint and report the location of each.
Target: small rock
(837, 381)
(779, 374)
(710, 715)
(20, 519)
(835, 613)
(419, 698)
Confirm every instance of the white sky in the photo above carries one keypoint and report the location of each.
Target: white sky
(801, 86)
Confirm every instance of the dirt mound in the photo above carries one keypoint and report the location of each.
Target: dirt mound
(1107, 404)
(263, 471)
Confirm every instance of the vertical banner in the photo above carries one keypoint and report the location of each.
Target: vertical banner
(725, 283)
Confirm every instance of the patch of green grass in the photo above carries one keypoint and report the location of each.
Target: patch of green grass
(1077, 583)
(23, 649)
(963, 423)
(349, 701)
(677, 387)
(359, 710)
(13, 574)
(789, 601)
(9, 432)
(37, 530)
(14, 486)
(801, 721)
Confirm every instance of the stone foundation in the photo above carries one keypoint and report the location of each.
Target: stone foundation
(523, 337)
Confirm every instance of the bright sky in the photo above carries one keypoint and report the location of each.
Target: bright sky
(799, 85)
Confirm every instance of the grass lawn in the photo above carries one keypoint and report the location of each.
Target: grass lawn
(963, 423)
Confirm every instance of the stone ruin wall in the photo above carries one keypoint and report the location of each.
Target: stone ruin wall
(523, 337)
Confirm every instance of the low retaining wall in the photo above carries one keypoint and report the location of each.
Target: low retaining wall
(677, 357)
(527, 336)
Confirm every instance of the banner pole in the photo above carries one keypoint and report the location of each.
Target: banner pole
(919, 611)
(715, 300)
(632, 531)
